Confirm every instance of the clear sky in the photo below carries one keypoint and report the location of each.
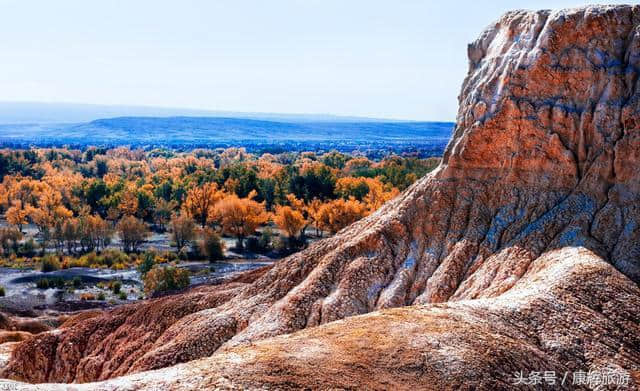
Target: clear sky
(396, 59)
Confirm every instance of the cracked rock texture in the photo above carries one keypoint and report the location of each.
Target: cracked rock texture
(521, 252)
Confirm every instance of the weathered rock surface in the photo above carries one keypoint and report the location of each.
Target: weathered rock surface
(521, 252)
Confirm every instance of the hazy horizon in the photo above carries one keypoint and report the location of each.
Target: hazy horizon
(27, 112)
(374, 59)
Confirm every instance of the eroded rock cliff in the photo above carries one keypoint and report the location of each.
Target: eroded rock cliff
(520, 252)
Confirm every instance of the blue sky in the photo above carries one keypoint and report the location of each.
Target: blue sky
(394, 59)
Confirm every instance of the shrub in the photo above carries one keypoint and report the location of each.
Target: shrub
(148, 260)
(77, 282)
(58, 282)
(113, 256)
(122, 296)
(101, 296)
(212, 245)
(295, 243)
(281, 244)
(118, 266)
(42, 283)
(74, 262)
(10, 239)
(115, 286)
(87, 296)
(165, 278)
(265, 239)
(261, 244)
(159, 258)
(184, 255)
(91, 259)
(27, 249)
(2, 292)
(110, 258)
(50, 263)
(253, 244)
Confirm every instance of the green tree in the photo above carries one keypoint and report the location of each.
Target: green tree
(211, 245)
(94, 193)
(165, 278)
(318, 182)
(335, 159)
(147, 263)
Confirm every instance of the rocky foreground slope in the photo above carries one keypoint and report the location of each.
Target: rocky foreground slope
(521, 252)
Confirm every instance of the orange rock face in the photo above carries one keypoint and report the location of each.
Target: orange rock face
(521, 252)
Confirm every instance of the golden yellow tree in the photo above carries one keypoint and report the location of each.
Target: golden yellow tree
(17, 214)
(48, 211)
(268, 167)
(230, 185)
(240, 217)
(371, 191)
(133, 233)
(295, 202)
(309, 210)
(289, 220)
(336, 215)
(200, 202)
(347, 187)
(20, 196)
(378, 194)
(4, 197)
(313, 217)
(93, 232)
(128, 203)
(183, 230)
(63, 182)
(355, 164)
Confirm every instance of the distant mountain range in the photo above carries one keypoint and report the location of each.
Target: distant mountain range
(58, 113)
(310, 132)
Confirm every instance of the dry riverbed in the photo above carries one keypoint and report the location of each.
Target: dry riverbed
(82, 288)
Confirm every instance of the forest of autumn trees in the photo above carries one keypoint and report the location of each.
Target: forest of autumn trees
(86, 201)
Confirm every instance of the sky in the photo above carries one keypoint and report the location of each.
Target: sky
(385, 59)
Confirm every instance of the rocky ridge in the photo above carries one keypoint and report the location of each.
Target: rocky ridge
(521, 252)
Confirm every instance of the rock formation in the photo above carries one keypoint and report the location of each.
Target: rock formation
(521, 252)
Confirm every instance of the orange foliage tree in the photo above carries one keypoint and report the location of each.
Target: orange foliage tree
(335, 215)
(371, 191)
(94, 233)
(289, 220)
(19, 198)
(17, 214)
(57, 190)
(183, 230)
(201, 201)
(133, 233)
(128, 203)
(48, 211)
(240, 217)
